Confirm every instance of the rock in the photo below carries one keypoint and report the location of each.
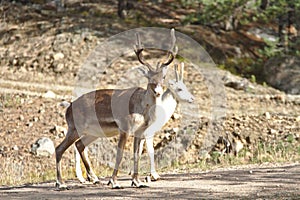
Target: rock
(59, 67)
(267, 97)
(21, 118)
(268, 116)
(58, 56)
(272, 131)
(176, 116)
(175, 130)
(41, 111)
(29, 124)
(15, 62)
(235, 82)
(47, 57)
(241, 85)
(49, 94)
(59, 130)
(35, 64)
(43, 147)
(283, 73)
(15, 148)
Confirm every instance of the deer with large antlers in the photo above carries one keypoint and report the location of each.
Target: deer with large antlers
(102, 113)
(176, 91)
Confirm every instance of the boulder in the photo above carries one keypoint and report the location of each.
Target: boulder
(283, 73)
(43, 147)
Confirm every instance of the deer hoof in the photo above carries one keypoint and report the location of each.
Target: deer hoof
(82, 180)
(137, 184)
(96, 181)
(154, 176)
(60, 186)
(114, 185)
(148, 179)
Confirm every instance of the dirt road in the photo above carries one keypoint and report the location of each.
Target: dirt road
(272, 182)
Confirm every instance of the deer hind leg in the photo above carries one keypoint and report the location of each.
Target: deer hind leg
(150, 149)
(82, 150)
(70, 138)
(78, 170)
(121, 145)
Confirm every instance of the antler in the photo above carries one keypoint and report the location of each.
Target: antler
(138, 49)
(173, 49)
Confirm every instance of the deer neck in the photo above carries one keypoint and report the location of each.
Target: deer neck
(169, 102)
(163, 110)
(150, 98)
(165, 106)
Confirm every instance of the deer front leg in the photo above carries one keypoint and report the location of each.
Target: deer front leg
(82, 150)
(140, 152)
(136, 148)
(150, 149)
(121, 145)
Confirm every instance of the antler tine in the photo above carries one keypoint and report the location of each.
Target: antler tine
(138, 49)
(181, 71)
(158, 66)
(173, 49)
(176, 72)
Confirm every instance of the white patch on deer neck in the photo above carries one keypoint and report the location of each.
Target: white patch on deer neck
(158, 90)
(164, 108)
